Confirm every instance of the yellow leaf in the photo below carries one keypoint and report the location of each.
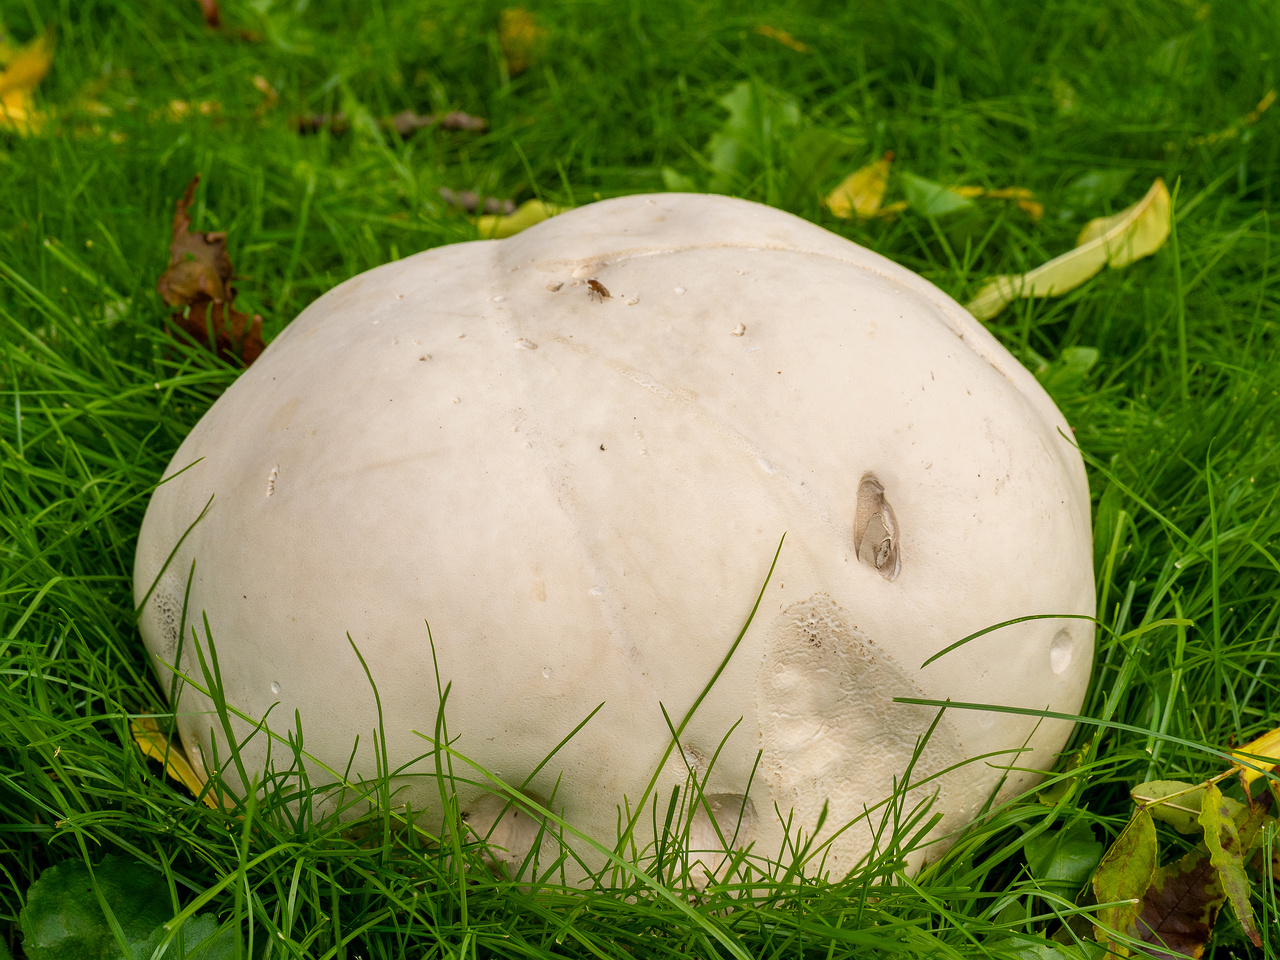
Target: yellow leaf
(1026, 200)
(1135, 232)
(1267, 745)
(154, 744)
(496, 226)
(26, 68)
(784, 38)
(519, 36)
(862, 192)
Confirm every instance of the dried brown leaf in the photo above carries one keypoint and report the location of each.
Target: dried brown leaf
(1180, 907)
(198, 262)
(198, 281)
(212, 15)
(235, 335)
(470, 201)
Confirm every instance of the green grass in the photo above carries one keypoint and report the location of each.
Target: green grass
(1177, 419)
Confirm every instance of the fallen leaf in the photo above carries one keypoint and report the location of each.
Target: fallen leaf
(1233, 131)
(154, 744)
(1226, 853)
(404, 123)
(1125, 873)
(760, 123)
(407, 121)
(862, 192)
(784, 38)
(63, 916)
(269, 93)
(933, 199)
(1025, 199)
(470, 201)
(26, 68)
(1135, 232)
(1247, 758)
(198, 281)
(496, 227)
(1180, 907)
(1174, 802)
(212, 15)
(1064, 857)
(520, 36)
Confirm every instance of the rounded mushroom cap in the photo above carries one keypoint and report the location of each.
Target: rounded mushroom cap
(582, 496)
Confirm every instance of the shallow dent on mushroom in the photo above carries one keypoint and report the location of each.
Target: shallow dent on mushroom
(508, 830)
(712, 843)
(1061, 651)
(875, 529)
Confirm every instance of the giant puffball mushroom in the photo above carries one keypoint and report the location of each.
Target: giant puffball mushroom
(582, 496)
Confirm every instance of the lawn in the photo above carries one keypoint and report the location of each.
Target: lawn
(1169, 370)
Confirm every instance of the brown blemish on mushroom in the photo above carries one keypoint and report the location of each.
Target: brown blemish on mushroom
(875, 529)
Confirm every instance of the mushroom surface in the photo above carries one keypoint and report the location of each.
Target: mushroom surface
(582, 496)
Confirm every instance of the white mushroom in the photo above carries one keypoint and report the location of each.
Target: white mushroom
(589, 522)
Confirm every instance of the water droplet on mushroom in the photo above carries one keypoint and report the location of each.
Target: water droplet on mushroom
(740, 329)
(1060, 651)
(679, 289)
(766, 466)
(596, 592)
(875, 529)
(555, 285)
(546, 672)
(753, 349)
(275, 687)
(498, 299)
(523, 344)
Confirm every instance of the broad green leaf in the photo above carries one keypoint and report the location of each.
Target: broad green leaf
(64, 920)
(1095, 187)
(497, 226)
(1258, 756)
(760, 121)
(932, 199)
(1182, 812)
(677, 182)
(814, 155)
(1066, 856)
(1222, 838)
(1069, 370)
(1137, 231)
(1179, 909)
(1125, 873)
(861, 192)
(1071, 780)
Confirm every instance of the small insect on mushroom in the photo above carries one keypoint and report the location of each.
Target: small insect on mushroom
(597, 290)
